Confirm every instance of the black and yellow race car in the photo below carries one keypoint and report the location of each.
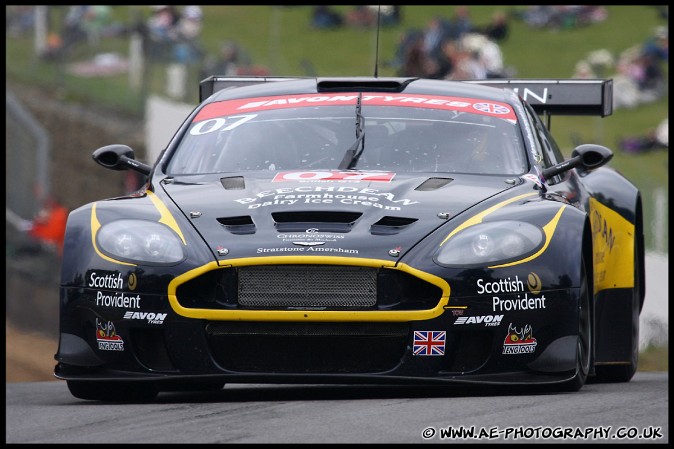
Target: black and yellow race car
(358, 230)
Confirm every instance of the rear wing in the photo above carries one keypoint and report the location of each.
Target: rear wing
(546, 96)
(212, 84)
(561, 97)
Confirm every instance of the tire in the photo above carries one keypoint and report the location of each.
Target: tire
(113, 391)
(585, 335)
(624, 373)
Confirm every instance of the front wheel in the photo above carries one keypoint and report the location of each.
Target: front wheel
(122, 391)
(584, 345)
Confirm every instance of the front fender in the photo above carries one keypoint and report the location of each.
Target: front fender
(81, 254)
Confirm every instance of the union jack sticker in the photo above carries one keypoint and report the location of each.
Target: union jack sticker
(429, 342)
(491, 108)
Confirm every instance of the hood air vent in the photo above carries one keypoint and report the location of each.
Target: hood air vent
(233, 183)
(238, 225)
(391, 225)
(321, 221)
(434, 184)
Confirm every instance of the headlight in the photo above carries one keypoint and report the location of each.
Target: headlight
(489, 243)
(140, 241)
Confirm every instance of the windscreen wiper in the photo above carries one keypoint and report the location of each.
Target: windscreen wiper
(353, 153)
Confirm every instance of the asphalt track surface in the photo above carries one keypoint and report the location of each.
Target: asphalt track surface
(45, 412)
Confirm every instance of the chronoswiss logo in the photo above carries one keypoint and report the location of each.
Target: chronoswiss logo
(311, 243)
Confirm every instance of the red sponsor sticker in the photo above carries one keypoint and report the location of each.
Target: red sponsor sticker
(333, 175)
(248, 105)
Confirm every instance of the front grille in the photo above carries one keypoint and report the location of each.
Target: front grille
(304, 286)
(311, 287)
(307, 347)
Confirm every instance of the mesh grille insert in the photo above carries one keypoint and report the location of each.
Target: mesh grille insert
(307, 286)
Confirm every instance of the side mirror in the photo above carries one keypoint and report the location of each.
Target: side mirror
(584, 157)
(119, 157)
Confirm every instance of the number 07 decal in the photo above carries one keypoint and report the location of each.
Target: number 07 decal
(333, 176)
(215, 124)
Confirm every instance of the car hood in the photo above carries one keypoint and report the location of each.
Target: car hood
(333, 214)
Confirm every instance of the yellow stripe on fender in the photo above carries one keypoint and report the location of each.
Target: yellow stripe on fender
(613, 247)
(95, 226)
(479, 217)
(548, 229)
(309, 315)
(166, 216)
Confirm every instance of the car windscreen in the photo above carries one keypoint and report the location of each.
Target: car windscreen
(429, 134)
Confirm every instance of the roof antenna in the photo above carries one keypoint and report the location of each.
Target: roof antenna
(376, 55)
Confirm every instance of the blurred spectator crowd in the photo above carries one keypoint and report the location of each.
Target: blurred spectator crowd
(454, 48)
(451, 47)
(639, 72)
(640, 77)
(173, 35)
(170, 34)
(562, 16)
(656, 138)
(359, 16)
